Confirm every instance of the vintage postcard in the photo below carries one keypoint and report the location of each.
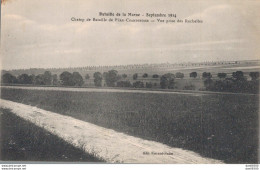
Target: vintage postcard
(130, 81)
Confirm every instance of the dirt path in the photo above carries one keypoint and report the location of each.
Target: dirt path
(106, 144)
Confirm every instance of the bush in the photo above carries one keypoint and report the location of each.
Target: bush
(148, 85)
(138, 84)
(135, 76)
(233, 85)
(209, 84)
(155, 76)
(254, 75)
(222, 75)
(179, 75)
(124, 76)
(145, 75)
(238, 75)
(206, 75)
(193, 74)
(123, 84)
(189, 87)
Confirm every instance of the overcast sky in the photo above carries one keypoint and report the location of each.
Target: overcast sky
(40, 33)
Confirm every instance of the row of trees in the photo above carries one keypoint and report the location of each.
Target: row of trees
(237, 83)
(155, 76)
(253, 75)
(66, 79)
(112, 79)
(42, 79)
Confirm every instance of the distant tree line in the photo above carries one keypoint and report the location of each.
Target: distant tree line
(66, 79)
(111, 78)
(42, 79)
(237, 83)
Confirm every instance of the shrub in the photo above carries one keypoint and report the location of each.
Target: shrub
(138, 84)
(179, 75)
(123, 84)
(145, 75)
(254, 75)
(222, 75)
(189, 87)
(148, 85)
(167, 81)
(135, 76)
(155, 76)
(97, 79)
(206, 75)
(193, 74)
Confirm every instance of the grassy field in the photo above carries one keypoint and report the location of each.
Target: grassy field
(23, 141)
(223, 127)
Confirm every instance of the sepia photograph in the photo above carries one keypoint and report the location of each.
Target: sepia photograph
(129, 82)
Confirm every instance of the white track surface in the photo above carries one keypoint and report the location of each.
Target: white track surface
(105, 144)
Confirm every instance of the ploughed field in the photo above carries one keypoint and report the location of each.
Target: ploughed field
(219, 126)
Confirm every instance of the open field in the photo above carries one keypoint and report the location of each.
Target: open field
(24, 141)
(103, 143)
(223, 127)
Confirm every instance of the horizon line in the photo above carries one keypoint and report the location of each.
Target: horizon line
(118, 65)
